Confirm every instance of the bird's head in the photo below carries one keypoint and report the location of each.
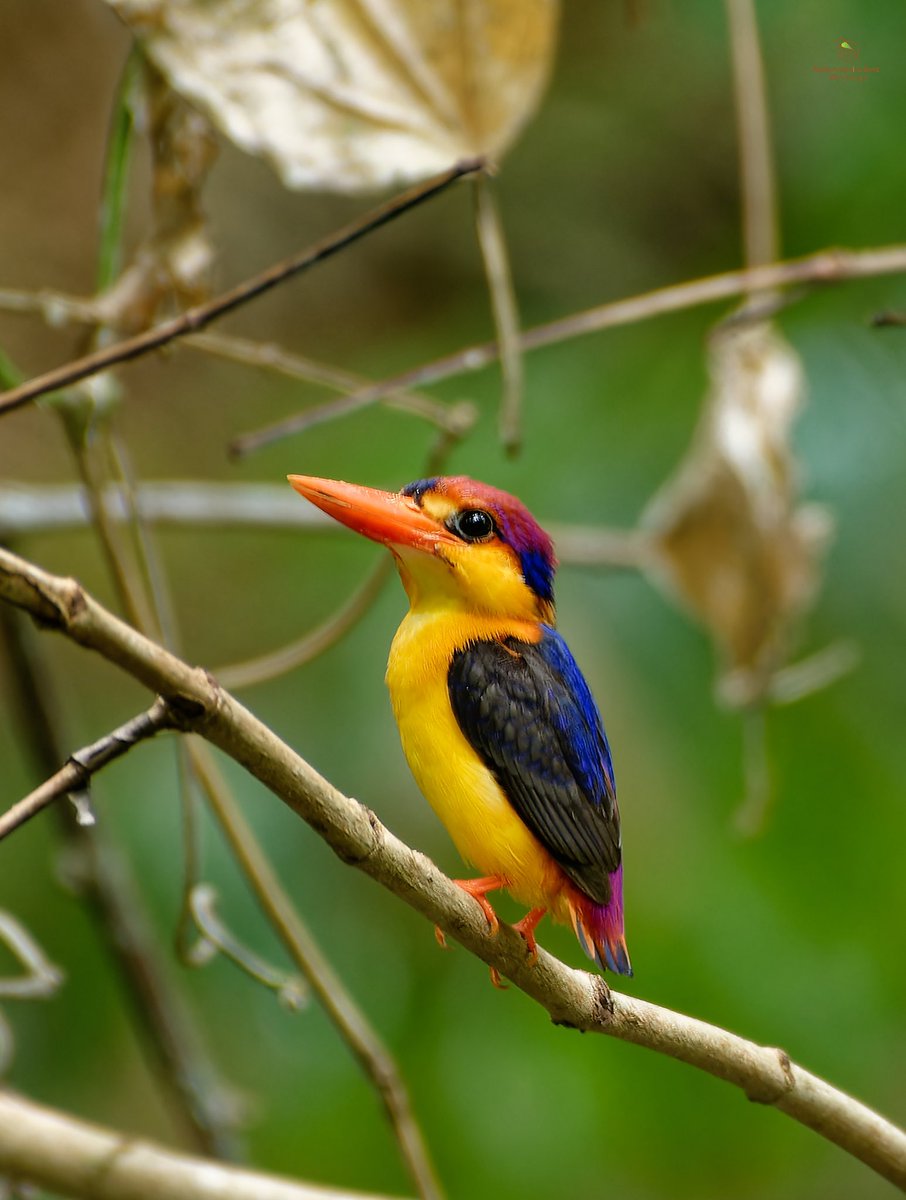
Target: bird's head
(458, 543)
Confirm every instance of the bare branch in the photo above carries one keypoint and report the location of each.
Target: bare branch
(87, 1161)
(573, 998)
(81, 765)
(826, 266)
(198, 317)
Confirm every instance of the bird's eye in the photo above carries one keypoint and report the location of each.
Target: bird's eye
(472, 524)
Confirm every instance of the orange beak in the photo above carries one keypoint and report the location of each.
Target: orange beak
(386, 517)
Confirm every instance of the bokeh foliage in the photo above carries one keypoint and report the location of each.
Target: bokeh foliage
(626, 180)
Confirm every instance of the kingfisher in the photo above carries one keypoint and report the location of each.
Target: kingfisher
(496, 720)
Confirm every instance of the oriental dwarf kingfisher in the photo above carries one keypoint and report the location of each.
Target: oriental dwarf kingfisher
(496, 720)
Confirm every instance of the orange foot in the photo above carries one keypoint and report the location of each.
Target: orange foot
(526, 929)
(478, 889)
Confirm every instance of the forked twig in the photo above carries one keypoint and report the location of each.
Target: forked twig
(76, 774)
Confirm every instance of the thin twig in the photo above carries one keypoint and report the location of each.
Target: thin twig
(201, 315)
(573, 998)
(492, 241)
(71, 1157)
(81, 765)
(756, 157)
(122, 566)
(827, 266)
(267, 356)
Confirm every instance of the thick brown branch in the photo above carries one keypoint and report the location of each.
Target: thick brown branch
(197, 318)
(573, 998)
(86, 1161)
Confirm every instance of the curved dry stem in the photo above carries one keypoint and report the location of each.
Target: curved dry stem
(573, 998)
(316, 641)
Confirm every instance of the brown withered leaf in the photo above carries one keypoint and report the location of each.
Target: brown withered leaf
(728, 536)
(354, 94)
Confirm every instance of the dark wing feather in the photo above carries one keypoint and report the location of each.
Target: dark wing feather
(527, 711)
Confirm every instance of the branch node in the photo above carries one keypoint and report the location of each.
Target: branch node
(602, 998)
(185, 710)
(352, 857)
(773, 1088)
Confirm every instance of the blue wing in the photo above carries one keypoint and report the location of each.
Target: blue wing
(526, 709)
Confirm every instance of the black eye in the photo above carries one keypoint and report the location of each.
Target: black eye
(472, 524)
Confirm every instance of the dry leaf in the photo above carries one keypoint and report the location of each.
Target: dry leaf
(354, 94)
(728, 537)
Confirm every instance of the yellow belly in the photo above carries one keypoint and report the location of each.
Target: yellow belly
(462, 791)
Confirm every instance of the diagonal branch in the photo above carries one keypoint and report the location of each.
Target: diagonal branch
(197, 318)
(573, 998)
(88, 1161)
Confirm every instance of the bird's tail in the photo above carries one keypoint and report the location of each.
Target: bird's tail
(599, 927)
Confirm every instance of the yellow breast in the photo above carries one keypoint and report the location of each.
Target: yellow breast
(462, 791)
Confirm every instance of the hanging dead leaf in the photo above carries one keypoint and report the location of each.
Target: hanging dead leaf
(727, 535)
(354, 94)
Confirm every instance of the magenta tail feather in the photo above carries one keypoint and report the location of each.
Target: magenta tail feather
(599, 927)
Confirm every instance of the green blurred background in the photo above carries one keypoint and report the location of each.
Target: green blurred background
(626, 180)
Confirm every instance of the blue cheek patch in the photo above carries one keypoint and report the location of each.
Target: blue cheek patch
(538, 573)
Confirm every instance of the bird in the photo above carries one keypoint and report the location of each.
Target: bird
(496, 720)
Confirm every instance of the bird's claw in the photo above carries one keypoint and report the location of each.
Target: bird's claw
(526, 930)
(497, 981)
(476, 888)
